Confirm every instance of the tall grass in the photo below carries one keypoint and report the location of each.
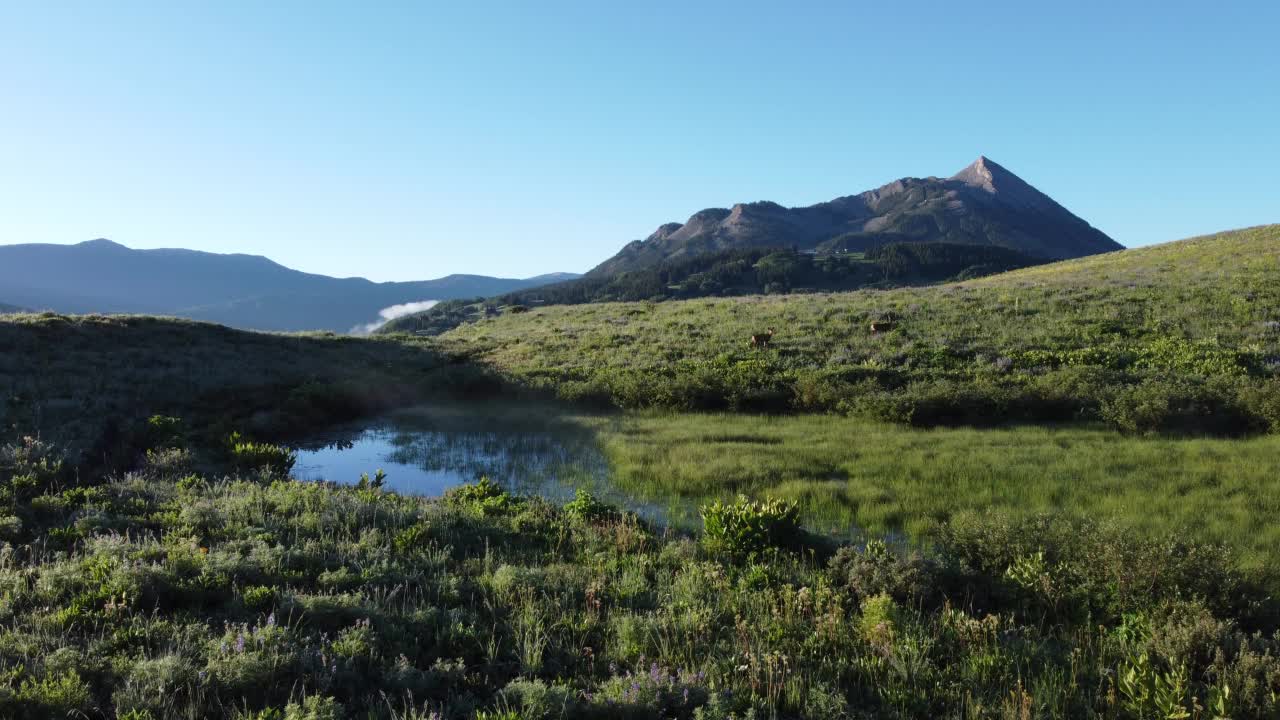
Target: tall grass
(848, 474)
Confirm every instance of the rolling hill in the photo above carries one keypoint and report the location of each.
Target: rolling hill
(983, 204)
(1187, 332)
(243, 291)
(743, 271)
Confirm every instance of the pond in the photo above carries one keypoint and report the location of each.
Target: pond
(427, 450)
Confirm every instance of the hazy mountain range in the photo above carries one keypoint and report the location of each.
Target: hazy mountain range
(983, 204)
(246, 291)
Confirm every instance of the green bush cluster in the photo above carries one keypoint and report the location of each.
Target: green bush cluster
(247, 455)
(588, 508)
(744, 527)
(483, 496)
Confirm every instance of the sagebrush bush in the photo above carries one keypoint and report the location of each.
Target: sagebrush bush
(877, 569)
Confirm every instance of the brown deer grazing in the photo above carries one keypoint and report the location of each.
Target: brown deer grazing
(761, 340)
(880, 326)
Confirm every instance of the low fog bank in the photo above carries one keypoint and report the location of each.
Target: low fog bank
(387, 314)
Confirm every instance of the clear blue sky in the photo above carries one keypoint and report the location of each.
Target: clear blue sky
(411, 140)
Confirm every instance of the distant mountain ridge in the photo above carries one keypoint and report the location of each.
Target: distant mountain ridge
(983, 204)
(245, 291)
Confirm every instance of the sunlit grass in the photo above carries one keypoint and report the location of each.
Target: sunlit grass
(850, 474)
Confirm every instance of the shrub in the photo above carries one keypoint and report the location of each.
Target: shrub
(485, 496)
(1177, 406)
(27, 468)
(314, 708)
(247, 455)
(664, 692)
(163, 432)
(745, 526)
(536, 699)
(1263, 402)
(1067, 570)
(259, 597)
(877, 570)
(60, 695)
(879, 620)
(584, 506)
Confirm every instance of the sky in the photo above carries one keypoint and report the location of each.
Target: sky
(406, 141)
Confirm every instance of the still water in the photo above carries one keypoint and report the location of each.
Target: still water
(425, 451)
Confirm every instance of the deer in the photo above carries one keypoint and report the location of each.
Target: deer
(761, 340)
(880, 326)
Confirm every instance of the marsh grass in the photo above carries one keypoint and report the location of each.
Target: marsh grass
(850, 475)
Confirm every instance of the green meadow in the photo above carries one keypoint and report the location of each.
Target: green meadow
(1045, 494)
(851, 475)
(1182, 337)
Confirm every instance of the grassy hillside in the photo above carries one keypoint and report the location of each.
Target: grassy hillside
(739, 272)
(87, 381)
(1182, 336)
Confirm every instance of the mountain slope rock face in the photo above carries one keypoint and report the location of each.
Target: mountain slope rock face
(983, 204)
(244, 291)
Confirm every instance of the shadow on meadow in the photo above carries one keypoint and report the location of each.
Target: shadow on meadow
(88, 382)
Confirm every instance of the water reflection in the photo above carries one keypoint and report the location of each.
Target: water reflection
(426, 451)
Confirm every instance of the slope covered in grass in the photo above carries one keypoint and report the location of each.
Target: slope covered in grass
(1182, 336)
(87, 381)
(738, 272)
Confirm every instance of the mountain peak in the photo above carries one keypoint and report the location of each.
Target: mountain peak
(983, 204)
(986, 174)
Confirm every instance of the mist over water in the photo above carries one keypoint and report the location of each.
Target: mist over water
(387, 314)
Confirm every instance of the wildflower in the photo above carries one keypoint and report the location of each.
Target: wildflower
(240, 643)
(271, 620)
